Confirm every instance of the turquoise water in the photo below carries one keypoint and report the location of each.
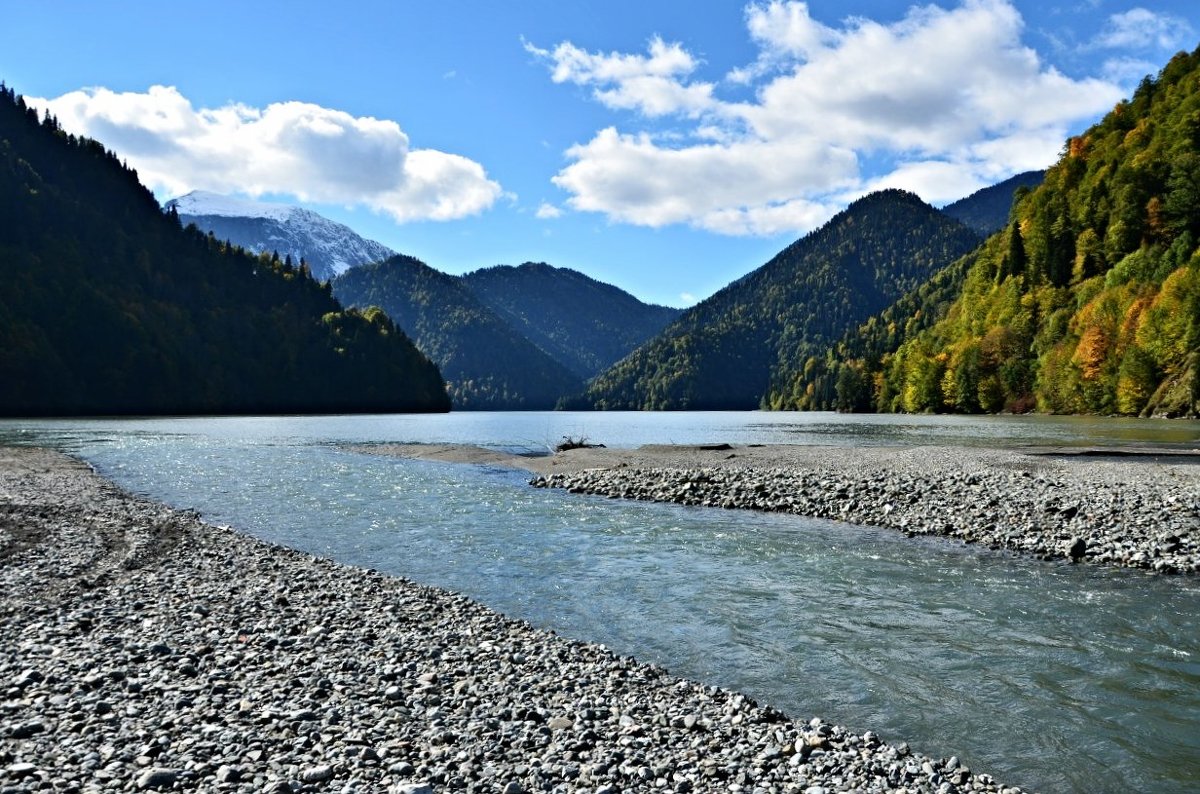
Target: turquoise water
(1051, 677)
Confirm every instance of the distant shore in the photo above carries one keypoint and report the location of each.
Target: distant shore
(1136, 508)
(145, 650)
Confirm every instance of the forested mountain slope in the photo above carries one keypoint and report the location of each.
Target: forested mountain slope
(986, 210)
(487, 364)
(722, 353)
(108, 306)
(583, 323)
(1089, 302)
(843, 376)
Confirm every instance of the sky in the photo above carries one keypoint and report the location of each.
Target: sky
(667, 147)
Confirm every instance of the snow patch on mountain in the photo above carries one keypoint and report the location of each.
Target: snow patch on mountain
(202, 202)
(329, 248)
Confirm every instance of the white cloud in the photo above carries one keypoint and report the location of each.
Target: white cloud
(1128, 71)
(1140, 28)
(648, 83)
(937, 102)
(787, 29)
(931, 82)
(768, 219)
(748, 187)
(687, 298)
(1023, 150)
(936, 181)
(293, 148)
(548, 211)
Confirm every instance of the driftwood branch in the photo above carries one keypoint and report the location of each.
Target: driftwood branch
(581, 443)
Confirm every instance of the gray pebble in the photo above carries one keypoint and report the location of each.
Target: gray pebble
(317, 774)
(157, 778)
(412, 788)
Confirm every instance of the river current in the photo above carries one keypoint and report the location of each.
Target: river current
(1049, 676)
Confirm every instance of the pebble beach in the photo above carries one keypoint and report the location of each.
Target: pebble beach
(1136, 511)
(142, 649)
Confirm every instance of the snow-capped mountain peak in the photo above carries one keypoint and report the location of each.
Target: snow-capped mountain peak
(330, 248)
(202, 202)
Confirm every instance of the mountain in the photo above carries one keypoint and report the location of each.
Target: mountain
(723, 352)
(109, 306)
(555, 327)
(1089, 301)
(986, 211)
(487, 364)
(584, 324)
(844, 377)
(328, 248)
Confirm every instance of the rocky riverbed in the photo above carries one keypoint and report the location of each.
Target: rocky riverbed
(144, 650)
(1141, 511)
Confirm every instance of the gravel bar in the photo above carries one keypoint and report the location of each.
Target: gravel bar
(144, 650)
(1138, 511)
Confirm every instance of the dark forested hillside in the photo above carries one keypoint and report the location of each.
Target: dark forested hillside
(486, 363)
(844, 377)
(579, 321)
(107, 306)
(986, 211)
(722, 353)
(1089, 301)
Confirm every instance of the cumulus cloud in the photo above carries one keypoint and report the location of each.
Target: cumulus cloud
(294, 148)
(1140, 28)
(937, 181)
(547, 211)
(747, 186)
(946, 100)
(787, 29)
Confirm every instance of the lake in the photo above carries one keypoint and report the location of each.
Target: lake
(1048, 676)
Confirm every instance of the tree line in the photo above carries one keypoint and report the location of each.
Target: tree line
(108, 306)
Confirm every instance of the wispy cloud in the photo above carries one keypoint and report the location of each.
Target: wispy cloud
(651, 84)
(1126, 70)
(947, 100)
(548, 211)
(1140, 28)
(294, 148)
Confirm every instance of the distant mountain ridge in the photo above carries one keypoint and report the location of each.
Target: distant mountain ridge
(583, 323)
(535, 336)
(487, 364)
(327, 247)
(986, 210)
(725, 352)
(505, 338)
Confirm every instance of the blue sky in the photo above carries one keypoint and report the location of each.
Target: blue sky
(665, 147)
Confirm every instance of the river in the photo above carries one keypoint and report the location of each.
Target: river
(1048, 676)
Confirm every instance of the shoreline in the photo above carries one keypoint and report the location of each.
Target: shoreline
(151, 651)
(1126, 508)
